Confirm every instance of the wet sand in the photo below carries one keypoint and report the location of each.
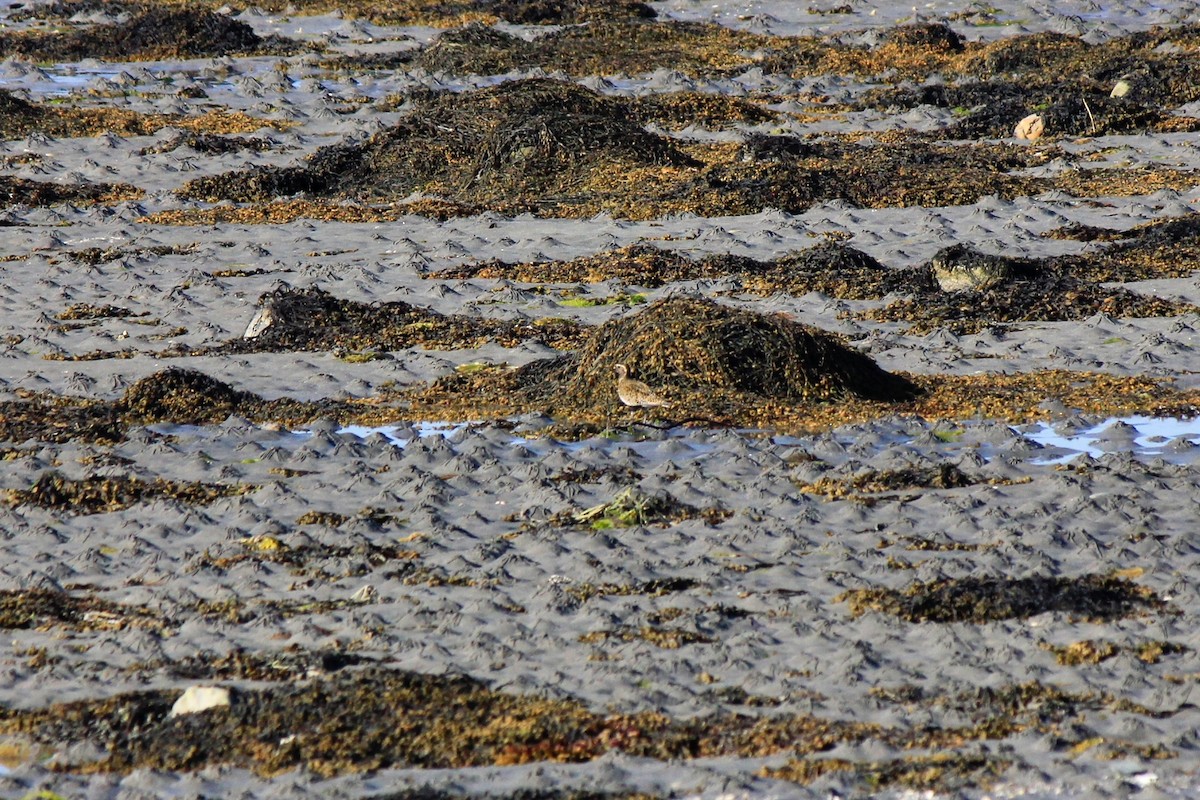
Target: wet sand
(413, 530)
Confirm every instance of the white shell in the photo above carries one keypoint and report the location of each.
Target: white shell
(200, 698)
(1030, 128)
(367, 594)
(1122, 89)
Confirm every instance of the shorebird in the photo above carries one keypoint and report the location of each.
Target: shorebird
(264, 319)
(635, 393)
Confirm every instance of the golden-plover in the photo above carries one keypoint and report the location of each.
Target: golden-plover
(635, 393)
(264, 319)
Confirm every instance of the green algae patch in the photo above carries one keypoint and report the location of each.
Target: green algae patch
(633, 507)
(983, 600)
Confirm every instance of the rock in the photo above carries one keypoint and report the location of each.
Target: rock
(1030, 128)
(201, 698)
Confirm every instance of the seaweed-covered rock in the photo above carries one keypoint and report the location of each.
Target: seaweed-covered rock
(698, 346)
(961, 268)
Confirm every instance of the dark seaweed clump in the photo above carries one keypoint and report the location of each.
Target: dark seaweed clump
(98, 494)
(699, 344)
(154, 32)
(832, 268)
(189, 397)
(396, 12)
(312, 319)
(1053, 289)
(992, 108)
(980, 600)
(14, 191)
(31, 608)
(534, 138)
(181, 396)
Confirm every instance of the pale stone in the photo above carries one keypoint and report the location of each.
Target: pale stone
(1122, 89)
(1030, 128)
(201, 698)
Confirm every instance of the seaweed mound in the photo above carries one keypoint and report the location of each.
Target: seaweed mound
(475, 49)
(982, 600)
(189, 397)
(516, 145)
(152, 33)
(46, 193)
(313, 319)
(186, 396)
(569, 12)
(694, 345)
(965, 290)
(11, 105)
(99, 494)
(833, 268)
(641, 264)
(934, 36)
(1066, 109)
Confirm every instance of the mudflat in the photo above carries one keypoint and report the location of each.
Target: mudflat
(309, 395)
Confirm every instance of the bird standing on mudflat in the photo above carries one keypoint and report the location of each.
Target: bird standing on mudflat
(635, 393)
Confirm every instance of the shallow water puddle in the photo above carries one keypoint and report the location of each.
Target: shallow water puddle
(65, 78)
(1169, 438)
(401, 435)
